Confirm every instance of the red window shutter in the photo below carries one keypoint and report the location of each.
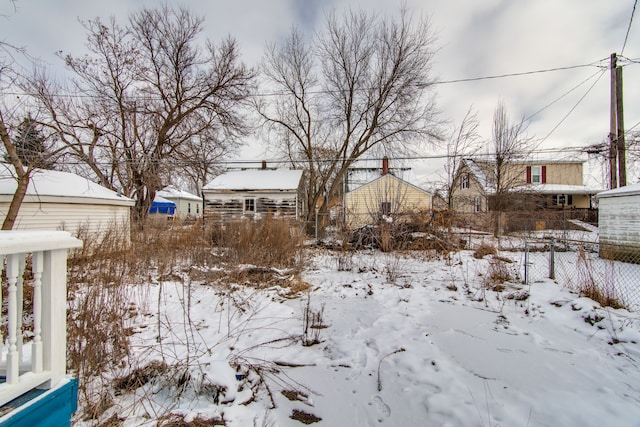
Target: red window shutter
(528, 174)
(544, 174)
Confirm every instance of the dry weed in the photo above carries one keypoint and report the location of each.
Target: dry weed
(177, 420)
(589, 286)
(483, 250)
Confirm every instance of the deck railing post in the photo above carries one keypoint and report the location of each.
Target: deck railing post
(13, 359)
(36, 343)
(54, 304)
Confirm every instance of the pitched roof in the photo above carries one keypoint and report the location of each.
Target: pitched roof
(50, 183)
(479, 175)
(390, 176)
(174, 193)
(627, 190)
(256, 179)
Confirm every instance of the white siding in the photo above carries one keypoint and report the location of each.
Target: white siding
(70, 217)
(619, 220)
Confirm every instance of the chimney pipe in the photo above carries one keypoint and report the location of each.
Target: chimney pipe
(264, 164)
(385, 165)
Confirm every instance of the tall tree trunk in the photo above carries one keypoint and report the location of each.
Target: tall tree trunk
(22, 175)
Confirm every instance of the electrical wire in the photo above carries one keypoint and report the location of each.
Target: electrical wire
(572, 109)
(563, 95)
(626, 37)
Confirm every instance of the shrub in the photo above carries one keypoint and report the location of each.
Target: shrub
(483, 250)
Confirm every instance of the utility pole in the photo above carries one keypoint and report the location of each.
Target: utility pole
(617, 149)
(622, 161)
(613, 127)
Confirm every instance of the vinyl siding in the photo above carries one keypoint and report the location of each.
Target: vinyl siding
(619, 220)
(70, 217)
(364, 203)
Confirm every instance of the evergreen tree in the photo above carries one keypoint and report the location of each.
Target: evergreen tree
(30, 145)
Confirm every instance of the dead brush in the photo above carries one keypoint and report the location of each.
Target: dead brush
(483, 250)
(269, 242)
(178, 420)
(140, 377)
(590, 286)
(100, 295)
(497, 275)
(312, 323)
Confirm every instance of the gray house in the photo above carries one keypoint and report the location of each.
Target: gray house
(255, 194)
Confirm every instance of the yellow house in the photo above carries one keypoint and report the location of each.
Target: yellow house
(531, 184)
(387, 198)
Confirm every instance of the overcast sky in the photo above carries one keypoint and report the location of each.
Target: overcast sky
(476, 38)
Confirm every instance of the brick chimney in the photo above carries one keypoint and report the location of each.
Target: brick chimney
(264, 164)
(385, 165)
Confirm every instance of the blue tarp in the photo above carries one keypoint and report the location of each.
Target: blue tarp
(162, 206)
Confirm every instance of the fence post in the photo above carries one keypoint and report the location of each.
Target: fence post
(552, 259)
(526, 262)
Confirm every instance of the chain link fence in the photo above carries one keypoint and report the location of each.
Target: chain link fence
(609, 274)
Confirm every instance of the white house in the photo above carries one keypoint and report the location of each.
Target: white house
(187, 205)
(64, 201)
(619, 222)
(255, 193)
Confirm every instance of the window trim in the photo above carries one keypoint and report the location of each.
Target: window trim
(536, 172)
(385, 208)
(465, 181)
(477, 204)
(249, 202)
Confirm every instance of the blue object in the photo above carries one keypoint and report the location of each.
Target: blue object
(167, 208)
(44, 408)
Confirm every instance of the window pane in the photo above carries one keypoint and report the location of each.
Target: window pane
(536, 174)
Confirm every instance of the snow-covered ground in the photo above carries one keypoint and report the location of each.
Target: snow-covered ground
(405, 340)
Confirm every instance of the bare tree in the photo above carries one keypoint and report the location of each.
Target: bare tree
(25, 146)
(509, 144)
(463, 142)
(146, 93)
(358, 87)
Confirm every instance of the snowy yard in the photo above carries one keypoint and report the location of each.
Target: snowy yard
(404, 340)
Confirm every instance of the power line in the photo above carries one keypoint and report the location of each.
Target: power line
(524, 73)
(626, 37)
(563, 95)
(178, 162)
(572, 108)
(325, 91)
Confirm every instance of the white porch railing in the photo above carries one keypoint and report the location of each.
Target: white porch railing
(40, 362)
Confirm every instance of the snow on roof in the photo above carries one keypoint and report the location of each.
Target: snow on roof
(59, 184)
(627, 190)
(174, 193)
(479, 174)
(256, 179)
(160, 199)
(556, 189)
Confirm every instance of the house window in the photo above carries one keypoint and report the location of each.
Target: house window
(536, 174)
(477, 204)
(385, 208)
(197, 208)
(189, 208)
(249, 205)
(464, 183)
(562, 199)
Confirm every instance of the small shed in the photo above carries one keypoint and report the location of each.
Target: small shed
(162, 206)
(65, 201)
(619, 223)
(254, 194)
(188, 205)
(387, 198)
